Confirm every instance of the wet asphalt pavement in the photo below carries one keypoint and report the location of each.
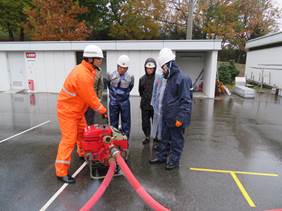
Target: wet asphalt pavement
(229, 133)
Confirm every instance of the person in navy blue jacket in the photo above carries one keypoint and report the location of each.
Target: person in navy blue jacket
(120, 84)
(176, 109)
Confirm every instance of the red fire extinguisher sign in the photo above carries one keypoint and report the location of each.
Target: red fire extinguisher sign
(31, 85)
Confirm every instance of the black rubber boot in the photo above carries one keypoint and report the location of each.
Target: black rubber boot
(67, 179)
(171, 166)
(146, 141)
(156, 161)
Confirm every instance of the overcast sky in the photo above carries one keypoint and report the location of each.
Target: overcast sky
(279, 4)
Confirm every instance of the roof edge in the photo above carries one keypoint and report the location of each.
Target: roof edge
(112, 45)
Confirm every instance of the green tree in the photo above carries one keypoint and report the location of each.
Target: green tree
(100, 16)
(137, 20)
(227, 72)
(233, 20)
(56, 20)
(254, 19)
(216, 19)
(174, 19)
(12, 18)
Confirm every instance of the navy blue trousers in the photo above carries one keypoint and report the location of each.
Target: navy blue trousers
(171, 144)
(121, 109)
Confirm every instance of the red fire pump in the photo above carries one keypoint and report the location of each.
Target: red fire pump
(107, 146)
(97, 142)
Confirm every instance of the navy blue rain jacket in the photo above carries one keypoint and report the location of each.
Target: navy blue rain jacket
(177, 100)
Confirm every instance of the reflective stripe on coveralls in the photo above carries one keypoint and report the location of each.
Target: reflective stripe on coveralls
(69, 93)
(75, 97)
(63, 162)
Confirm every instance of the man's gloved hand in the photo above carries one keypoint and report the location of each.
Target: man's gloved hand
(178, 123)
(105, 116)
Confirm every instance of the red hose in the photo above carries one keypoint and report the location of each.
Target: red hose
(137, 186)
(95, 198)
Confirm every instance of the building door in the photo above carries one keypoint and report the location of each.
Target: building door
(190, 62)
(16, 65)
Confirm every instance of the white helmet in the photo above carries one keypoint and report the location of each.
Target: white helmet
(166, 55)
(92, 51)
(150, 65)
(123, 61)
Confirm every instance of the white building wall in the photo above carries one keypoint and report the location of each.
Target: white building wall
(210, 74)
(268, 58)
(50, 69)
(54, 60)
(4, 74)
(136, 65)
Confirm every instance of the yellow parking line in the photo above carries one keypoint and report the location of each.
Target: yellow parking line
(210, 170)
(243, 190)
(237, 172)
(236, 179)
(256, 173)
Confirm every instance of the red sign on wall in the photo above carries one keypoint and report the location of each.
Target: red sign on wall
(30, 55)
(31, 85)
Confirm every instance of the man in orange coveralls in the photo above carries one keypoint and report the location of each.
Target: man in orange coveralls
(75, 97)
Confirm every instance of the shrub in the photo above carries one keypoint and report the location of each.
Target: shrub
(227, 72)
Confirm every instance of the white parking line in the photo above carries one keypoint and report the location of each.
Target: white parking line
(36, 126)
(52, 199)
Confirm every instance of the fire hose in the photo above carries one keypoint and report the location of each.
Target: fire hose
(147, 198)
(108, 178)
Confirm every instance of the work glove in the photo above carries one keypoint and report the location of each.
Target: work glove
(178, 123)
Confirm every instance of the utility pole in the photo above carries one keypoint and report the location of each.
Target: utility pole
(190, 20)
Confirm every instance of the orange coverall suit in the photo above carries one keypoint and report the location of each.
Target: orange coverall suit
(73, 100)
